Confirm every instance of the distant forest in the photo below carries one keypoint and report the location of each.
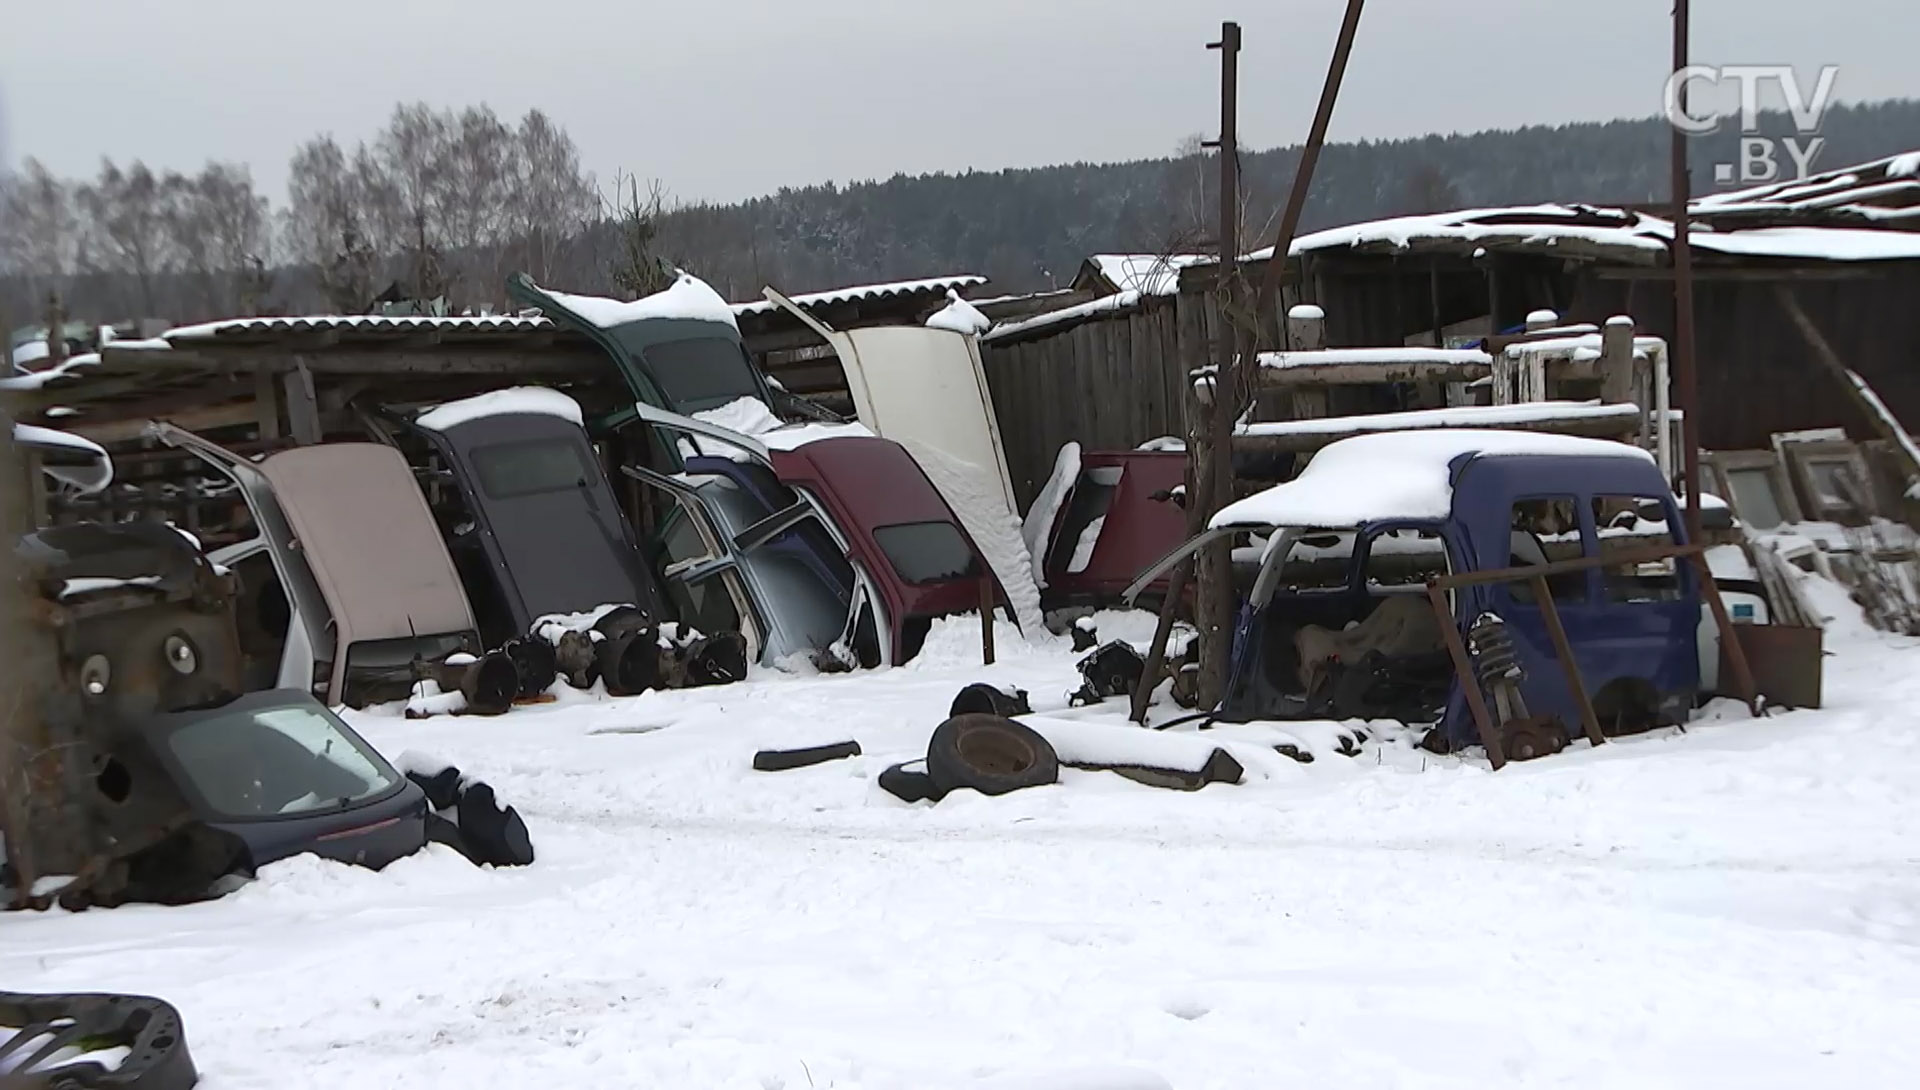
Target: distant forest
(442, 205)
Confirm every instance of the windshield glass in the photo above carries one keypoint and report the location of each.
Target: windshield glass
(278, 762)
(927, 552)
(701, 374)
(507, 470)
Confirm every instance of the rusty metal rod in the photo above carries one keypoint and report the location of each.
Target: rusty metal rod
(1309, 160)
(1563, 648)
(1463, 672)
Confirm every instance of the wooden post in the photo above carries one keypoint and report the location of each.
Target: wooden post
(303, 409)
(1875, 410)
(266, 401)
(988, 601)
(1215, 605)
(1563, 649)
(1685, 374)
(1307, 332)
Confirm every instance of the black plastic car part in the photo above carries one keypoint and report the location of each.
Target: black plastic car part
(991, 754)
(44, 1025)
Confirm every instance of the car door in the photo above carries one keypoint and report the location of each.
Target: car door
(698, 570)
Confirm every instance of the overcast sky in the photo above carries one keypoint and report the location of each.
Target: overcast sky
(723, 99)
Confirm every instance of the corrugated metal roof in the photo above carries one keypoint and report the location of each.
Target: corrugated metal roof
(1883, 194)
(933, 286)
(234, 328)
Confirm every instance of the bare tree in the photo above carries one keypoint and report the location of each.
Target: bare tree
(219, 227)
(126, 226)
(473, 203)
(552, 199)
(40, 230)
(327, 222)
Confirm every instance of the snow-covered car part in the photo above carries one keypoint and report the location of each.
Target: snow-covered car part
(786, 760)
(991, 754)
(1115, 669)
(467, 817)
(910, 784)
(92, 1041)
(534, 663)
(489, 683)
(981, 697)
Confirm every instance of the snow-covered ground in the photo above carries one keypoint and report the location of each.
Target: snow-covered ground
(1736, 906)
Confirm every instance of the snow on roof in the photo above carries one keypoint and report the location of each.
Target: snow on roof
(520, 400)
(1406, 474)
(930, 285)
(1882, 190)
(1817, 243)
(1545, 223)
(229, 327)
(1151, 274)
(959, 316)
(1331, 357)
(1119, 301)
(687, 297)
(1461, 418)
(1904, 166)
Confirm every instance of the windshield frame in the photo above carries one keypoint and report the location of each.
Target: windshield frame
(164, 728)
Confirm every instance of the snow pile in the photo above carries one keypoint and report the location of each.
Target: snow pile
(1083, 548)
(1165, 443)
(1905, 166)
(1118, 301)
(960, 316)
(752, 418)
(687, 297)
(76, 461)
(1335, 357)
(1306, 312)
(1037, 530)
(1396, 475)
(975, 496)
(520, 400)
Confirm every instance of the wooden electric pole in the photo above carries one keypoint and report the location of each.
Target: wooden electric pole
(1687, 395)
(1215, 588)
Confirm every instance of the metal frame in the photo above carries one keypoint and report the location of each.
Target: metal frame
(1801, 456)
(1537, 574)
(1721, 463)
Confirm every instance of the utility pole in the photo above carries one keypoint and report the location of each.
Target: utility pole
(1214, 612)
(1684, 373)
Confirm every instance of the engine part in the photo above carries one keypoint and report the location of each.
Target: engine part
(43, 1026)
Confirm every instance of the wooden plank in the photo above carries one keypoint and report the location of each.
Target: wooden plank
(1410, 370)
(208, 418)
(1622, 425)
(303, 408)
(266, 400)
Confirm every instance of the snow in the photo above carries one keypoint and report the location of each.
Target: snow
(321, 322)
(519, 400)
(1584, 345)
(1817, 243)
(1307, 312)
(1538, 225)
(552, 626)
(752, 418)
(1729, 906)
(37, 380)
(1905, 166)
(687, 297)
(1543, 317)
(1334, 357)
(959, 316)
(973, 492)
(1149, 274)
(1037, 530)
(1165, 443)
(1083, 548)
(1119, 301)
(1459, 417)
(1400, 474)
(81, 587)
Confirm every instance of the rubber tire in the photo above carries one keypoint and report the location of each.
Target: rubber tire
(784, 760)
(909, 786)
(991, 754)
